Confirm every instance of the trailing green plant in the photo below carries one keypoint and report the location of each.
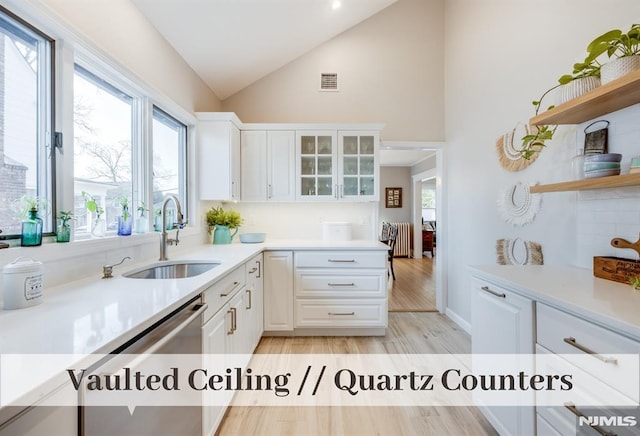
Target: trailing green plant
(217, 216)
(616, 43)
(142, 209)
(124, 204)
(27, 203)
(91, 204)
(535, 142)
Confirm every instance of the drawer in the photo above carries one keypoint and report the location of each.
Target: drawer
(320, 284)
(340, 259)
(341, 313)
(607, 355)
(221, 291)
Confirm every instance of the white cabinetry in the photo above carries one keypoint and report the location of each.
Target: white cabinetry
(335, 165)
(341, 290)
(502, 323)
(254, 300)
(218, 141)
(278, 291)
(268, 170)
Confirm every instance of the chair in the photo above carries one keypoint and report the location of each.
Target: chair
(391, 241)
(385, 232)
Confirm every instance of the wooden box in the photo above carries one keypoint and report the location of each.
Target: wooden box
(615, 268)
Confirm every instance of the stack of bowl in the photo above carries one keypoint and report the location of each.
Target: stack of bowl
(602, 165)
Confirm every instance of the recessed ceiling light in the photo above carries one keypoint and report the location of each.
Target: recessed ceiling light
(336, 4)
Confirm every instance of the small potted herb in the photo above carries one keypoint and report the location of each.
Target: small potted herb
(29, 209)
(124, 219)
(98, 226)
(142, 222)
(63, 233)
(221, 222)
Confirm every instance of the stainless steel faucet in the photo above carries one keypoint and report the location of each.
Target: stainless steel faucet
(163, 236)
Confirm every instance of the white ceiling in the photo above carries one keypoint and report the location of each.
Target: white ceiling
(232, 43)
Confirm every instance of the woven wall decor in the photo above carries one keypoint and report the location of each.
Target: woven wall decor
(508, 154)
(518, 252)
(517, 205)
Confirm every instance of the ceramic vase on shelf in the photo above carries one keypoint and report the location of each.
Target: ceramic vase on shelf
(63, 234)
(619, 67)
(223, 235)
(31, 230)
(576, 88)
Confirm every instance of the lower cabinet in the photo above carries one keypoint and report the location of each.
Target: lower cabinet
(502, 323)
(278, 291)
(254, 300)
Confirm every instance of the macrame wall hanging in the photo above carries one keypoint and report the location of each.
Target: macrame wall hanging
(517, 205)
(518, 252)
(509, 155)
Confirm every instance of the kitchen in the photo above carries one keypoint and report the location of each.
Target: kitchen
(435, 96)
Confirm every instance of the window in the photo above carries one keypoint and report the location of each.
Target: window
(169, 159)
(428, 203)
(103, 139)
(26, 102)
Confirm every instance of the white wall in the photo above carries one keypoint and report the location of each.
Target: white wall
(304, 221)
(396, 177)
(501, 55)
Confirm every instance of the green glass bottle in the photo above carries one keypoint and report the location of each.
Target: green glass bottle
(31, 230)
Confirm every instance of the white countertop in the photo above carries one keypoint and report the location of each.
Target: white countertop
(96, 316)
(575, 290)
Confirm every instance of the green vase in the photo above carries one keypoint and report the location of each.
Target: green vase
(223, 235)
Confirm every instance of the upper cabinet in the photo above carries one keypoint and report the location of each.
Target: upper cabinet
(336, 165)
(268, 170)
(218, 142)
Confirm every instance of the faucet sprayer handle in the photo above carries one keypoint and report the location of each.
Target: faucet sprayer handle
(107, 270)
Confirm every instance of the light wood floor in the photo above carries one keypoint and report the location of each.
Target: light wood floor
(407, 333)
(414, 289)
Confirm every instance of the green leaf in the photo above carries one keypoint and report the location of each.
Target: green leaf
(604, 38)
(565, 79)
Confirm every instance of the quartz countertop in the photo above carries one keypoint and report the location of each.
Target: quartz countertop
(574, 290)
(96, 316)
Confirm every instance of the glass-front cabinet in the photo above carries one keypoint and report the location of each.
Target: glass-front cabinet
(334, 165)
(358, 164)
(316, 164)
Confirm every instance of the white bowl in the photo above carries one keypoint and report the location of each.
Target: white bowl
(252, 238)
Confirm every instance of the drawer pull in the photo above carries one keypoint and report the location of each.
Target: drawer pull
(233, 286)
(231, 312)
(234, 320)
(342, 260)
(497, 294)
(259, 269)
(248, 291)
(342, 313)
(572, 341)
(573, 409)
(252, 270)
(341, 284)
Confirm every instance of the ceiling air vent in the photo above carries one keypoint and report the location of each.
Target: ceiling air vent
(328, 81)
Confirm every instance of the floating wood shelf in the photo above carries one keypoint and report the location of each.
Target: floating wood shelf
(611, 97)
(597, 183)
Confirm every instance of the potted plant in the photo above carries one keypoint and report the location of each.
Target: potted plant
(157, 220)
(29, 209)
(221, 222)
(625, 47)
(98, 226)
(63, 233)
(124, 219)
(142, 223)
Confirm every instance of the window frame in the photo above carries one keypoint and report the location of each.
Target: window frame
(46, 122)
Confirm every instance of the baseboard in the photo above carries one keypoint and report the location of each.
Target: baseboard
(458, 320)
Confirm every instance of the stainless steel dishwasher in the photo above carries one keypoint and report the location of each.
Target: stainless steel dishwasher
(178, 333)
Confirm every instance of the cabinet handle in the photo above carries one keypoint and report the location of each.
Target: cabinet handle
(341, 284)
(573, 409)
(233, 286)
(233, 189)
(270, 190)
(234, 320)
(342, 260)
(342, 313)
(252, 270)
(230, 311)
(572, 341)
(259, 269)
(497, 294)
(250, 303)
(335, 194)
(341, 191)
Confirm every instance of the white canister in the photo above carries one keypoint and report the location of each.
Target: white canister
(22, 283)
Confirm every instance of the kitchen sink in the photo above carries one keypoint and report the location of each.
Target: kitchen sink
(172, 270)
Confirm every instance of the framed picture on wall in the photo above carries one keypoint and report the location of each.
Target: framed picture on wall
(393, 197)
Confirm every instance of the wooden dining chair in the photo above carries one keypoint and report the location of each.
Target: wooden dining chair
(384, 235)
(391, 240)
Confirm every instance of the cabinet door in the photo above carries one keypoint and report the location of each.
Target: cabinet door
(218, 160)
(254, 300)
(253, 157)
(278, 291)
(358, 165)
(214, 342)
(316, 165)
(502, 323)
(281, 165)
